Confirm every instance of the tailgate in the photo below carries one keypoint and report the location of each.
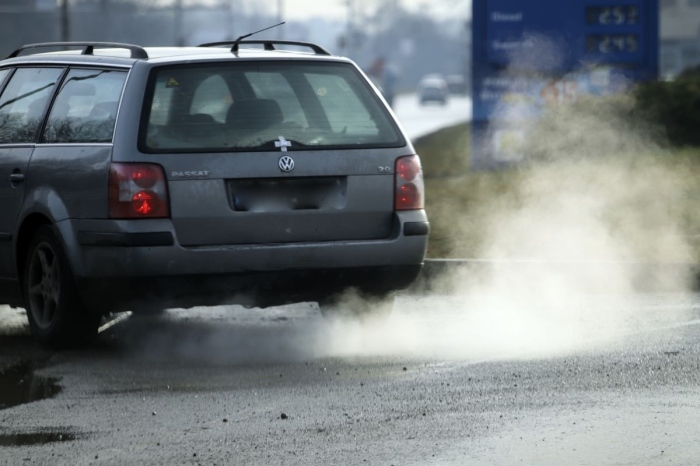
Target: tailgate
(253, 203)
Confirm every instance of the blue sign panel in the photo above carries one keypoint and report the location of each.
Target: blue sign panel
(529, 55)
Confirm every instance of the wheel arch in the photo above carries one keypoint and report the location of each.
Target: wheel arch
(41, 206)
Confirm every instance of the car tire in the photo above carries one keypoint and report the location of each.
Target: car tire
(358, 306)
(57, 316)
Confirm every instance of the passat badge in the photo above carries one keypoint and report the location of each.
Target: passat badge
(286, 163)
(191, 174)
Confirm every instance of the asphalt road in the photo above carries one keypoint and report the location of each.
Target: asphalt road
(593, 379)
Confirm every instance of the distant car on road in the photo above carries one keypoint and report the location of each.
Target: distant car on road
(143, 179)
(433, 88)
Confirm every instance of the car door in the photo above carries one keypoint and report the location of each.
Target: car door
(23, 106)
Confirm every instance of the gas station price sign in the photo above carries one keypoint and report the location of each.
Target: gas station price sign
(612, 43)
(617, 15)
(583, 29)
(530, 54)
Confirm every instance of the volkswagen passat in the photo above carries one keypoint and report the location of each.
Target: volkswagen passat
(147, 178)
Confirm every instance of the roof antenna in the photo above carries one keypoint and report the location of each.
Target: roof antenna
(234, 47)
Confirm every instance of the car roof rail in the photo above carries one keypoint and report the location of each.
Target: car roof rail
(269, 44)
(88, 48)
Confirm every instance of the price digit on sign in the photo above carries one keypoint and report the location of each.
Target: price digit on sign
(618, 15)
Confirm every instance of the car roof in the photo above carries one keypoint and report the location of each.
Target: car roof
(186, 54)
(164, 55)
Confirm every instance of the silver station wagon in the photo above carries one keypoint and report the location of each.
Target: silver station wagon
(251, 172)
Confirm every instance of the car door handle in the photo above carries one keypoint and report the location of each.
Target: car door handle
(16, 177)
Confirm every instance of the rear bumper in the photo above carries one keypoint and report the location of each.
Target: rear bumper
(121, 263)
(165, 238)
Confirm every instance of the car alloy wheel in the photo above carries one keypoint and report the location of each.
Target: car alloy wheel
(57, 316)
(44, 285)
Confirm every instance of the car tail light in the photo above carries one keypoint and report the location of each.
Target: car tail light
(409, 193)
(137, 190)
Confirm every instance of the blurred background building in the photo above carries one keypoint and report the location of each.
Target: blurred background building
(410, 42)
(398, 40)
(680, 36)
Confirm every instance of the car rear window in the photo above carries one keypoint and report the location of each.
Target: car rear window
(250, 106)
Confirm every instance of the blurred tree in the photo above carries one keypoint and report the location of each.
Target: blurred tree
(675, 105)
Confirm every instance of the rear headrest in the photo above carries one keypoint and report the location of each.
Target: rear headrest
(254, 114)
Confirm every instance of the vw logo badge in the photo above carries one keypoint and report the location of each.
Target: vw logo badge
(286, 163)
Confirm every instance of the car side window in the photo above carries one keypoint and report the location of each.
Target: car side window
(85, 109)
(24, 101)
